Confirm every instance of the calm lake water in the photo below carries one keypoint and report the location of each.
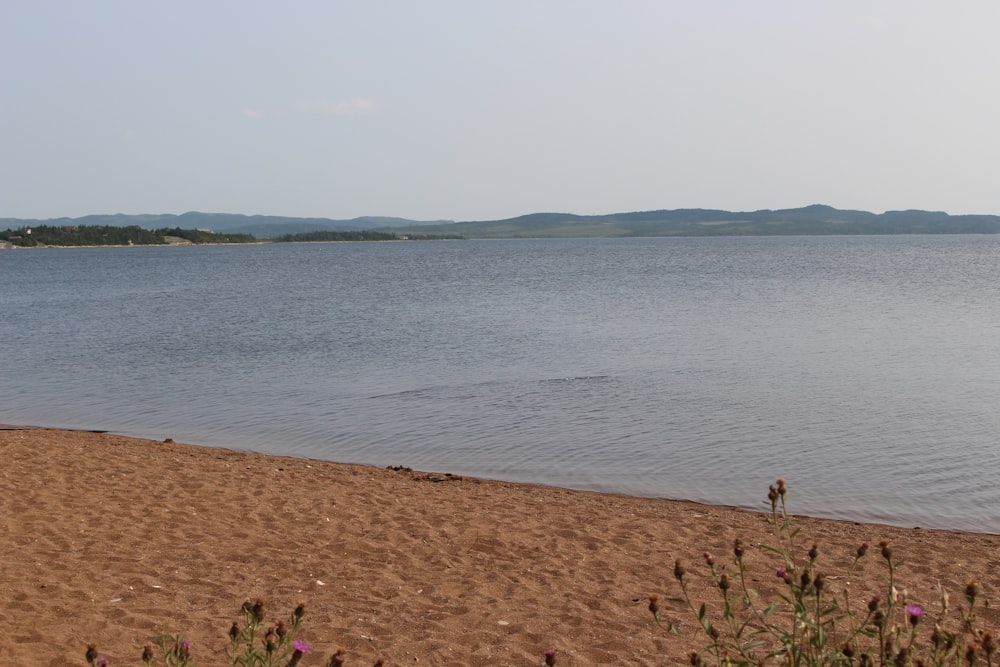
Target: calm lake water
(865, 370)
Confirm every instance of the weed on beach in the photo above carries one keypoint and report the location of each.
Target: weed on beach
(814, 620)
(811, 618)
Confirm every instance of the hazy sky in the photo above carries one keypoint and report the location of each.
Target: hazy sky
(476, 110)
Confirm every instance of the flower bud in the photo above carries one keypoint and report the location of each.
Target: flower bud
(654, 605)
(989, 644)
(257, 609)
(971, 591)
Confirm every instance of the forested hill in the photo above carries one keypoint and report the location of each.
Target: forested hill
(809, 220)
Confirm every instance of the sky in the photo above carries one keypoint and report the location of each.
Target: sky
(462, 110)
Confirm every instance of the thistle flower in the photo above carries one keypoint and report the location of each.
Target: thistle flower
(91, 654)
(270, 641)
(550, 657)
(970, 654)
(814, 553)
(678, 570)
(257, 609)
(654, 605)
(818, 582)
(782, 489)
(280, 629)
(914, 612)
(709, 560)
(874, 602)
(234, 631)
(337, 659)
(989, 644)
(738, 549)
(380, 662)
(300, 609)
(971, 591)
(780, 572)
(147, 653)
(886, 551)
(862, 550)
(299, 648)
(694, 658)
(772, 495)
(724, 582)
(102, 662)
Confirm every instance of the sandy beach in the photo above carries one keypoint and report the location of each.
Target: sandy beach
(112, 540)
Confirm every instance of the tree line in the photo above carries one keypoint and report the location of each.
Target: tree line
(105, 235)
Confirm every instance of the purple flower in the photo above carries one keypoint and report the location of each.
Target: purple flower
(914, 611)
(300, 646)
(780, 572)
(102, 662)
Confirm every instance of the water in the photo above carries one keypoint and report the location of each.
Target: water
(865, 370)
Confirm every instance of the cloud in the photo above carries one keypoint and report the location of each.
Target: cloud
(348, 107)
(252, 114)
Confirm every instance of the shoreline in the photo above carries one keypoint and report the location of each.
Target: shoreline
(759, 509)
(114, 539)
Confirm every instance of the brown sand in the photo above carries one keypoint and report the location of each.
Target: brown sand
(111, 540)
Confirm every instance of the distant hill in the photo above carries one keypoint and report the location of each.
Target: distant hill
(807, 221)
